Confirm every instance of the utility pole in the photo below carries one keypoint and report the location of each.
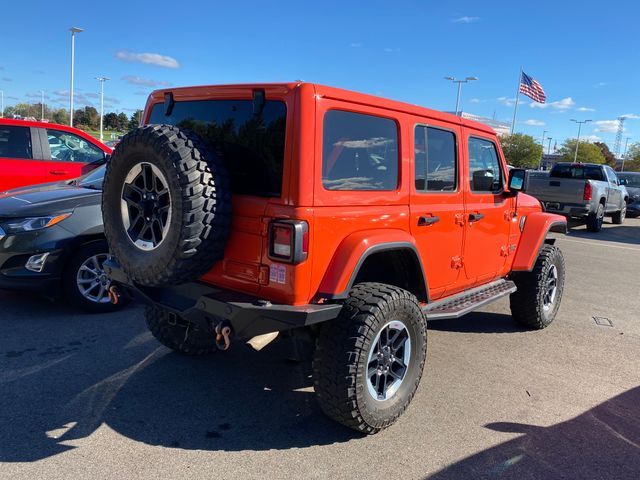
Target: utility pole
(73, 31)
(102, 80)
(460, 82)
(580, 123)
(626, 144)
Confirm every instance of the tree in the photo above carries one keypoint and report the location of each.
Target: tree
(587, 152)
(60, 116)
(632, 160)
(609, 157)
(135, 120)
(111, 121)
(521, 150)
(123, 121)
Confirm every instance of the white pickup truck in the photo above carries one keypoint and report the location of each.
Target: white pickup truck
(584, 191)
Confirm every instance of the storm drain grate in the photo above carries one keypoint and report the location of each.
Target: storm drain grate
(603, 322)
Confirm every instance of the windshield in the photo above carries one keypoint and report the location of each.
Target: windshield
(92, 179)
(632, 180)
(252, 146)
(582, 172)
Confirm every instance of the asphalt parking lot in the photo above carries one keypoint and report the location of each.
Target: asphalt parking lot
(96, 397)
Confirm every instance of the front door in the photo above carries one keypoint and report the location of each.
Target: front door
(488, 212)
(437, 206)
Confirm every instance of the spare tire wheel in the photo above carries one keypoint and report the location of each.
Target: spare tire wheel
(166, 205)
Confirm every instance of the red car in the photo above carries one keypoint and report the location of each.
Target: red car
(39, 152)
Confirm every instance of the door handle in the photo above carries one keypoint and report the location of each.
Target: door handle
(474, 217)
(426, 221)
(58, 172)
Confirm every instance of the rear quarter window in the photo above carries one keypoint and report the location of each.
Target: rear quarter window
(15, 142)
(359, 152)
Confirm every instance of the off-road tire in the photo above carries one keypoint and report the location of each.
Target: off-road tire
(342, 350)
(69, 283)
(596, 219)
(528, 302)
(618, 217)
(178, 334)
(200, 205)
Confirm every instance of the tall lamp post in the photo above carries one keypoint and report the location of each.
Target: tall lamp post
(102, 80)
(73, 31)
(580, 123)
(549, 148)
(460, 82)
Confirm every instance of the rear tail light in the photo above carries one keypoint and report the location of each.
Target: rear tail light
(289, 241)
(587, 191)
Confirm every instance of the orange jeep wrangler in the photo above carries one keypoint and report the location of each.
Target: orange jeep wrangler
(240, 211)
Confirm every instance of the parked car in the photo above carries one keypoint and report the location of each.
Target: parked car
(581, 190)
(52, 241)
(631, 181)
(241, 211)
(32, 153)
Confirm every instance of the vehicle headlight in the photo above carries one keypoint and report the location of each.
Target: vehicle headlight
(30, 224)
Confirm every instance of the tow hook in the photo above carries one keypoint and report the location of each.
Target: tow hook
(223, 332)
(114, 295)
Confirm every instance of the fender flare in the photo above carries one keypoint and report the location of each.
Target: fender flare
(351, 254)
(536, 228)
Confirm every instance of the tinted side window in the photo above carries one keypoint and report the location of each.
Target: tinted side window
(359, 152)
(613, 179)
(15, 142)
(485, 174)
(68, 147)
(252, 146)
(435, 159)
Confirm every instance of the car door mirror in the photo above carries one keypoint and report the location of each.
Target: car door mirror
(517, 180)
(622, 181)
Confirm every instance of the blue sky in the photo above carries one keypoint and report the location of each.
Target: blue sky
(586, 58)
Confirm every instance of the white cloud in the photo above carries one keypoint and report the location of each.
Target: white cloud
(507, 102)
(591, 138)
(148, 58)
(632, 116)
(465, 19)
(606, 126)
(564, 104)
(475, 100)
(146, 82)
(599, 84)
(355, 44)
(534, 123)
(586, 109)
(391, 50)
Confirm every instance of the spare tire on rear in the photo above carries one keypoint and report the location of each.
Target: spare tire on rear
(166, 205)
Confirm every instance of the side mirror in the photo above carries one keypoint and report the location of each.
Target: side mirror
(517, 180)
(622, 181)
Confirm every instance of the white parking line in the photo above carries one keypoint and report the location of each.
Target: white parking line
(599, 242)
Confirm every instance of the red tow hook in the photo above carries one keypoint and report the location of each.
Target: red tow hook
(223, 332)
(114, 295)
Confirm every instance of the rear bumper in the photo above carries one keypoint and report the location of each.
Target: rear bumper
(205, 304)
(570, 210)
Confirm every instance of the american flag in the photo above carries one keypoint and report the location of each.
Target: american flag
(532, 89)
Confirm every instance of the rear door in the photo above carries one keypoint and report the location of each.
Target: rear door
(253, 149)
(19, 145)
(68, 155)
(488, 211)
(437, 204)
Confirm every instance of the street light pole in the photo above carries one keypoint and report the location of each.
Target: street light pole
(102, 80)
(549, 148)
(73, 31)
(580, 123)
(460, 82)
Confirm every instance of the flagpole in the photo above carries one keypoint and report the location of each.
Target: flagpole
(515, 110)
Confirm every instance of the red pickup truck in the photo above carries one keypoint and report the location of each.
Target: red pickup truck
(40, 152)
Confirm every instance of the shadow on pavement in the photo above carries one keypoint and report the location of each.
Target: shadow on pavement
(629, 233)
(603, 442)
(62, 376)
(478, 322)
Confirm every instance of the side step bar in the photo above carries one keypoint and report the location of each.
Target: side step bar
(465, 302)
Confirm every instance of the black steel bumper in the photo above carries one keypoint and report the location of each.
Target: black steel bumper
(205, 304)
